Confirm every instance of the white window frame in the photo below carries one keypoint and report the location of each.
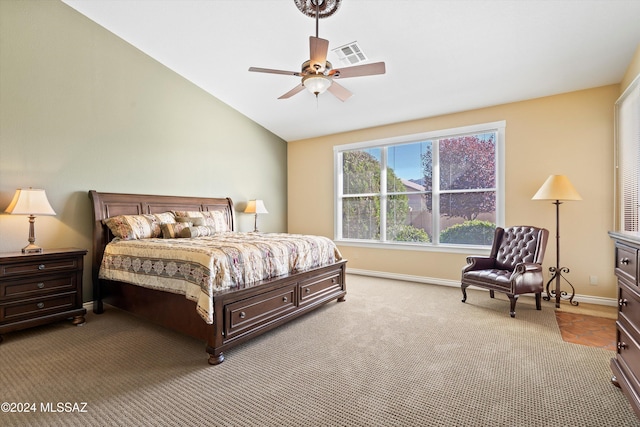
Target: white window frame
(627, 159)
(497, 127)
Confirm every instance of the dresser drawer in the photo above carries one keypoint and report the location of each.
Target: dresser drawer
(628, 304)
(37, 266)
(319, 288)
(628, 346)
(244, 315)
(34, 287)
(36, 307)
(627, 262)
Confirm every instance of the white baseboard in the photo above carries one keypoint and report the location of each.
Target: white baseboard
(587, 299)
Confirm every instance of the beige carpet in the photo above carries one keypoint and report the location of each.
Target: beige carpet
(393, 354)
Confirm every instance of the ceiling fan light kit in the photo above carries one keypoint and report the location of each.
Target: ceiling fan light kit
(316, 83)
(318, 75)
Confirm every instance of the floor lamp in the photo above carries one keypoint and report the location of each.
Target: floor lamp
(557, 188)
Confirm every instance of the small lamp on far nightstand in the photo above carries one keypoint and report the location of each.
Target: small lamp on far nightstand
(30, 202)
(256, 207)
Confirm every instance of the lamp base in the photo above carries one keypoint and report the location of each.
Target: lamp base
(31, 249)
(557, 293)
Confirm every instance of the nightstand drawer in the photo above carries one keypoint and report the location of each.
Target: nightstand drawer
(36, 307)
(38, 266)
(39, 286)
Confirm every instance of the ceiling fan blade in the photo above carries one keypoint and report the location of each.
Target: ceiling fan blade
(270, 71)
(359, 70)
(339, 91)
(318, 48)
(292, 92)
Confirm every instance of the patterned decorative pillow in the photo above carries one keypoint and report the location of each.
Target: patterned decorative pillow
(132, 227)
(166, 218)
(193, 220)
(215, 219)
(200, 231)
(219, 220)
(173, 230)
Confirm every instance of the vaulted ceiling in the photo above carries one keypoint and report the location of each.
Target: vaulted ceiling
(441, 56)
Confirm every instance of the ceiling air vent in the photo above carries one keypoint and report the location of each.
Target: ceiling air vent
(350, 54)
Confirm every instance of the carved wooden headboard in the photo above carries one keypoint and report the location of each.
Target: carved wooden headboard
(106, 205)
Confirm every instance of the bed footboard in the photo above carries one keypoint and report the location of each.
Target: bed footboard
(241, 315)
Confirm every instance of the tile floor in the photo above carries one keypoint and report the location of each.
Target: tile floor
(588, 330)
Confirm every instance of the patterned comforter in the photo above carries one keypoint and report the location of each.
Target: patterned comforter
(199, 267)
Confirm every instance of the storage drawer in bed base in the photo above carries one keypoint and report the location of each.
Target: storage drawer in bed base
(251, 315)
(243, 316)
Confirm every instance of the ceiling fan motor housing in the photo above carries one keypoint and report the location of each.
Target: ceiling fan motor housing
(307, 68)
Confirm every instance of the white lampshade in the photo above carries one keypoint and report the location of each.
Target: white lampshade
(557, 187)
(256, 206)
(30, 201)
(316, 83)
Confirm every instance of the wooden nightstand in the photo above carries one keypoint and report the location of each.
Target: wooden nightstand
(40, 288)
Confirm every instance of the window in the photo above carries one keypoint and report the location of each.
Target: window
(435, 189)
(628, 158)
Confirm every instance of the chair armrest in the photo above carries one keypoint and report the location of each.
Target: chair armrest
(527, 267)
(479, 263)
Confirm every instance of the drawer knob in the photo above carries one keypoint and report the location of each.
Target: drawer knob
(40, 305)
(307, 290)
(624, 261)
(622, 302)
(41, 267)
(243, 314)
(284, 299)
(622, 346)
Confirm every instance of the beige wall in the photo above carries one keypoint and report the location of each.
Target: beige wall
(632, 71)
(80, 109)
(569, 134)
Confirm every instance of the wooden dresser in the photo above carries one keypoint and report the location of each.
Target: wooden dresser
(40, 288)
(626, 364)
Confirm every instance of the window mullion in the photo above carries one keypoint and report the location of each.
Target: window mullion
(383, 195)
(435, 192)
(339, 182)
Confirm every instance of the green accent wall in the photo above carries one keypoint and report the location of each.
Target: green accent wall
(81, 109)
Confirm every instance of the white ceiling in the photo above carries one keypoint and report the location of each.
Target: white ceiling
(442, 56)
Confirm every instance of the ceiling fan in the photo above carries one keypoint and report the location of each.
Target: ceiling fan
(318, 75)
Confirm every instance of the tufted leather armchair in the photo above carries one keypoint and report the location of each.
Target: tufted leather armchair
(513, 267)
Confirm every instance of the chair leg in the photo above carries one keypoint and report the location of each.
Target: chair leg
(538, 301)
(464, 293)
(491, 293)
(513, 299)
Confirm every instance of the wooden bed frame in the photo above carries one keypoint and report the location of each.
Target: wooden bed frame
(240, 313)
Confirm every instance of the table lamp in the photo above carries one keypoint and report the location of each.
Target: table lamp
(30, 202)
